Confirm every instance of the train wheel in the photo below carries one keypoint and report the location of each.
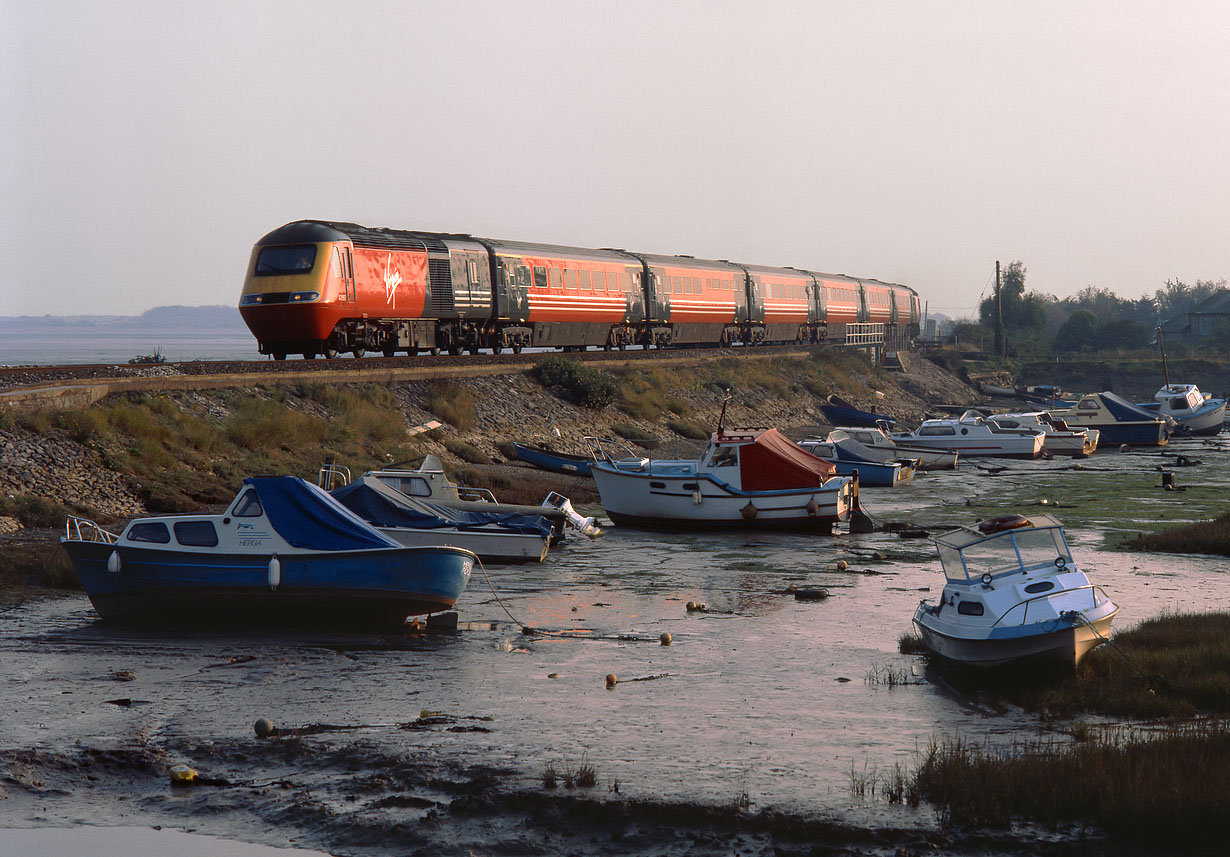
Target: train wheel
(435, 350)
(390, 352)
(516, 349)
(622, 346)
(496, 348)
(606, 346)
(309, 355)
(330, 352)
(359, 352)
(279, 355)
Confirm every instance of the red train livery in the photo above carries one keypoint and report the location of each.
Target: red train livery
(321, 288)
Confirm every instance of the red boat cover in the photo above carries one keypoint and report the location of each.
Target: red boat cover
(772, 462)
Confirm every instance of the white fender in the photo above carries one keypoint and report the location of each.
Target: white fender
(275, 571)
(113, 562)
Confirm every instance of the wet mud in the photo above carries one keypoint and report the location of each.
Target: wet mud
(748, 733)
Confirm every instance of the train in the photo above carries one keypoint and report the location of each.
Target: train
(324, 288)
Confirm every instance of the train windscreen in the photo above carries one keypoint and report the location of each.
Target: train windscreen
(286, 259)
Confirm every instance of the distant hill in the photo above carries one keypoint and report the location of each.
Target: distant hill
(196, 318)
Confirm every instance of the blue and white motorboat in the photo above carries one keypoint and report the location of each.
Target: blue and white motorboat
(839, 412)
(1193, 412)
(283, 552)
(1013, 593)
(849, 457)
(882, 446)
(755, 478)
(1118, 420)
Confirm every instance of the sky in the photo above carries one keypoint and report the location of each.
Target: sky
(146, 146)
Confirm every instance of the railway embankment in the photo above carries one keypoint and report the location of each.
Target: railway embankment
(165, 450)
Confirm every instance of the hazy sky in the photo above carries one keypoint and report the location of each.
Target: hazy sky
(145, 146)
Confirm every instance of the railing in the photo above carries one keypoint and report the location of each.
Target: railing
(476, 495)
(84, 530)
(864, 334)
(1023, 606)
(329, 474)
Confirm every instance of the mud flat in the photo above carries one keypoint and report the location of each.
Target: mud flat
(747, 734)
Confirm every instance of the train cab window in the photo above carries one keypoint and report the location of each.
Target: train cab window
(583, 281)
(196, 533)
(540, 276)
(290, 259)
(153, 532)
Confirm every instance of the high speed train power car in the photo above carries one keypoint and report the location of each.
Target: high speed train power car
(318, 287)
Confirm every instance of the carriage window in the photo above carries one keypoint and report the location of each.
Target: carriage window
(570, 278)
(197, 533)
(155, 532)
(678, 288)
(248, 506)
(584, 280)
(293, 259)
(554, 278)
(540, 276)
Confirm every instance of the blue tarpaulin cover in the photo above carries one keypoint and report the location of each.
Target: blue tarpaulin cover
(382, 506)
(1123, 410)
(307, 517)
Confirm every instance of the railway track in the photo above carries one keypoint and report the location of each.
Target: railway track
(78, 385)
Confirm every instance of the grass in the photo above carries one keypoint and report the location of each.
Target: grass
(35, 564)
(688, 428)
(467, 452)
(1207, 537)
(453, 403)
(1171, 788)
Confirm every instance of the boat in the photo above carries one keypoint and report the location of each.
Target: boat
(849, 457)
(1013, 593)
(1192, 411)
(839, 412)
(754, 477)
(881, 443)
(283, 552)
(974, 436)
(430, 483)
(1059, 438)
(600, 449)
(1118, 420)
(493, 536)
(550, 459)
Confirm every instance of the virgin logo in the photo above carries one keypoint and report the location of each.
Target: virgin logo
(392, 279)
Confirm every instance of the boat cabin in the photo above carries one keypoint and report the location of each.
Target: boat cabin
(762, 459)
(1004, 546)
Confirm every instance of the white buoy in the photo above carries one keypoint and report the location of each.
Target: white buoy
(113, 562)
(275, 571)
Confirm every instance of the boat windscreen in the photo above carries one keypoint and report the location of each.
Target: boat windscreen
(1006, 552)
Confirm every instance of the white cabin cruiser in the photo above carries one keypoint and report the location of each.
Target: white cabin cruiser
(1060, 438)
(1193, 412)
(972, 436)
(1012, 591)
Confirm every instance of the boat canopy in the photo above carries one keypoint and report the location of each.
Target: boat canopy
(770, 461)
(1121, 409)
(969, 553)
(382, 506)
(307, 517)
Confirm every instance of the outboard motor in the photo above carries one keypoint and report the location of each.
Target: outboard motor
(585, 525)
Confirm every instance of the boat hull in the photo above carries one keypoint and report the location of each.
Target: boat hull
(1057, 641)
(489, 546)
(651, 500)
(557, 462)
(365, 589)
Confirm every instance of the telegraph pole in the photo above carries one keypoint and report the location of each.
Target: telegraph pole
(1000, 346)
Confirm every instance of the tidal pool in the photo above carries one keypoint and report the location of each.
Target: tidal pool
(761, 701)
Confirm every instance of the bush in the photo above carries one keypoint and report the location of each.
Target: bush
(579, 384)
(466, 452)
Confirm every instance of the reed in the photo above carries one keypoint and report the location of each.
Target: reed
(1169, 787)
(1207, 537)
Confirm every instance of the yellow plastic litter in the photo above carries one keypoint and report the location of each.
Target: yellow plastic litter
(182, 775)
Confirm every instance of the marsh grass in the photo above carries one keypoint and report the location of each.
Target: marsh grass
(1170, 787)
(910, 643)
(36, 563)
(1207, 537)
(452, 402)
(688, 428)
(466, 452)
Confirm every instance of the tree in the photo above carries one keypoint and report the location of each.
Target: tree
(1122, 333)
(1078, 332)
(1024, 315)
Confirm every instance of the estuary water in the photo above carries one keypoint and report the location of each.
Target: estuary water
(760, 701)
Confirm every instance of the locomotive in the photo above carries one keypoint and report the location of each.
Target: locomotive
(316, 287)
